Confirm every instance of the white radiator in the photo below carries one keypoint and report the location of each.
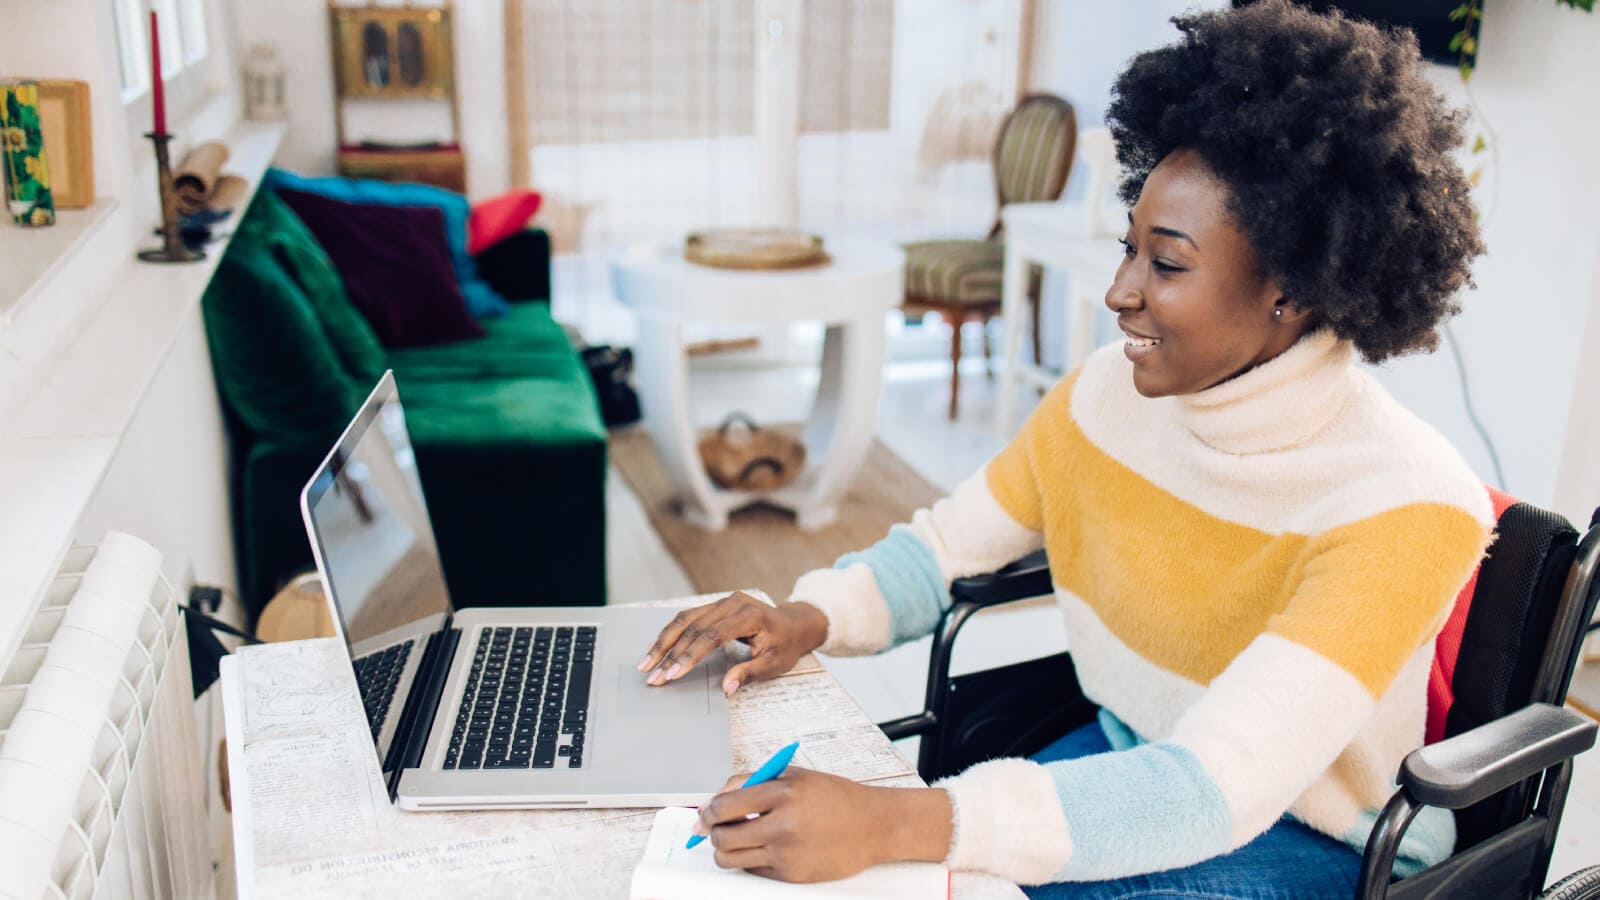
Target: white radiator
(101, 781)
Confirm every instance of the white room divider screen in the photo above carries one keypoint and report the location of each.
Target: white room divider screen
(101, 782)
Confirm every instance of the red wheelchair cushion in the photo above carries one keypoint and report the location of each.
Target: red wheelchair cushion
(1447, 647)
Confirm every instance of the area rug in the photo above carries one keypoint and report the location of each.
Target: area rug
(762, 547)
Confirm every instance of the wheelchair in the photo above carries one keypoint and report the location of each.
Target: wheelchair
(1503, 764)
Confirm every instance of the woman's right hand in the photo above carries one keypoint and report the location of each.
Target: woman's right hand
(778, 636)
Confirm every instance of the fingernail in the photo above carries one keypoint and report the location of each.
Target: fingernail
(655, 677)
(643, 663)
(729, 686)
(674, 671)
(698, 828)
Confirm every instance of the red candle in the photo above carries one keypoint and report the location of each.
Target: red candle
(158, 96)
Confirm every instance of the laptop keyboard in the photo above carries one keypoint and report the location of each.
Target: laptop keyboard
(526, 703)
(378, 674)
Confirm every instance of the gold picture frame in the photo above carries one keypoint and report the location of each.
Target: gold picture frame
(392, 52)
(68, 132)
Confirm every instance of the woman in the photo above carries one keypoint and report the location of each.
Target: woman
(1253, 544)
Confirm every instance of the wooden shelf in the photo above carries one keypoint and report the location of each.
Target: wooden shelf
(445, 167)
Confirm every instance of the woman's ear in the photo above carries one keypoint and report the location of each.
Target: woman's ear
(1288, 312)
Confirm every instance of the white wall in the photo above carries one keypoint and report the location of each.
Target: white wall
(1521, 332)
(167, 482)
(298, 30)
(1081, 46)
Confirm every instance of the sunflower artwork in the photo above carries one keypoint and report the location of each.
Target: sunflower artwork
(27, 180)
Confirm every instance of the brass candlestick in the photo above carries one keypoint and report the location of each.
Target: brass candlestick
(172, 247)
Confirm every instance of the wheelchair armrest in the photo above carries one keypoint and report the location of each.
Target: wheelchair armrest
(1025, 578)
(1458, 772)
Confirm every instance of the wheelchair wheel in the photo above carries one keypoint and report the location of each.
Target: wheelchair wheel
(1583, 884)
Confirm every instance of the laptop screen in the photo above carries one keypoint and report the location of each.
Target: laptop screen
(368, 522)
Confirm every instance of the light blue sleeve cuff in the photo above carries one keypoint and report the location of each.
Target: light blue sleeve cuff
(908, 577)
(1141, 810)
(1429, 840)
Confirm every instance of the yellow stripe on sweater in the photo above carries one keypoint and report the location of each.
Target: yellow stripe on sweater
(1371, 592)
(1188, 590)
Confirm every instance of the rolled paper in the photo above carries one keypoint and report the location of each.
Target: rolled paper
(195, 179)
(28, 195)
(229, 194)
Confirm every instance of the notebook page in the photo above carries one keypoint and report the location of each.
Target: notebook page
(670, 871)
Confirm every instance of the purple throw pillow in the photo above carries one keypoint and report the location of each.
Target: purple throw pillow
(395, 262)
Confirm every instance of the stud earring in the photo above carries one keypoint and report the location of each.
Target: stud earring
(1278, 312)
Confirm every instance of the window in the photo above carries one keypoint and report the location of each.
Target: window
(620, 70)
(183, 47)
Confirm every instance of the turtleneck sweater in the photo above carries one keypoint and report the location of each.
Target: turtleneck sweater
(1252, 579)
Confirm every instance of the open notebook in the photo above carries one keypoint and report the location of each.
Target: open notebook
(670, 872)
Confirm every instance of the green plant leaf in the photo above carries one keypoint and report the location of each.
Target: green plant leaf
(1479, 144)
(1460, 12)
(1470, 46)
(1456, 39)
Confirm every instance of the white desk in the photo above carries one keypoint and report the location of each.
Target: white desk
(1050, 234)
(851, 295)
(308, 822)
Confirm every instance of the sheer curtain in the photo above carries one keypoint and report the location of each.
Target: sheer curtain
(639, 116)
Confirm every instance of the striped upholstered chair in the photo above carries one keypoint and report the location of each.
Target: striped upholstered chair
(960, 279)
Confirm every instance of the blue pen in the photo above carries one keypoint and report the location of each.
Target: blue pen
(769, 770)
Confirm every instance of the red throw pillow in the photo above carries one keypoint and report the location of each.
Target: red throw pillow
(395, 263)
(497, 218)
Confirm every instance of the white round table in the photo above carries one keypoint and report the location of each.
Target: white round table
(851, 295)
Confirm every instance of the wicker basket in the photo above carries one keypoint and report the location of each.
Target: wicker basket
(740, 455)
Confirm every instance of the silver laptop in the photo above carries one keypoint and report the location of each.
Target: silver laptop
(494, 708)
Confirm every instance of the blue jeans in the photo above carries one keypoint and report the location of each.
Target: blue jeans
(1289, 861)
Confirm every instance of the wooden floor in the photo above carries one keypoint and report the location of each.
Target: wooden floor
(913, 423)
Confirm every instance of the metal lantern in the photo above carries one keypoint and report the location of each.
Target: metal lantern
(264, 74)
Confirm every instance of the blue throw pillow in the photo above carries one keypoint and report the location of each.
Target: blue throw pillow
(482, 301)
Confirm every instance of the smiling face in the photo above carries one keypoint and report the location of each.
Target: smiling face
(1191, 297)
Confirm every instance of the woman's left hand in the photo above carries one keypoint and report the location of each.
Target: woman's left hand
(811, 826)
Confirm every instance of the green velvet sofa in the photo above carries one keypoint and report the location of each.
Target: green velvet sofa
(507, 430)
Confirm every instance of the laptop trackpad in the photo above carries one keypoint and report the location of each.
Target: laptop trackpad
(689, 695)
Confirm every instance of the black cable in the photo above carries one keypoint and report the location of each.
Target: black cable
(217, 624)
(1472, 414)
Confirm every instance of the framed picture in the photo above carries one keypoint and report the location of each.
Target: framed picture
(392, 51)
(68, 140)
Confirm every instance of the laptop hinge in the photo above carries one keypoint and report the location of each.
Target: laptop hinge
(416, 719)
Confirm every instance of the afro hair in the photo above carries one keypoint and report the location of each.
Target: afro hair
(1338, 153)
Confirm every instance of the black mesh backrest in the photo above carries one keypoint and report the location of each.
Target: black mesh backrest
(1504, 641)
